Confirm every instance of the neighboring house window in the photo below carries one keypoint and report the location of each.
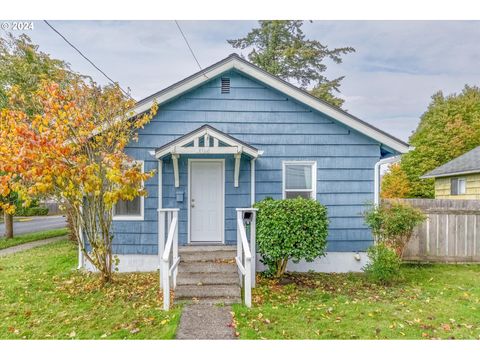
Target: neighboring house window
(299, 179)
(458, 186)
(129, 209)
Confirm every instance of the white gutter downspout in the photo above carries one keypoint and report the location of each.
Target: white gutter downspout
(376, 182)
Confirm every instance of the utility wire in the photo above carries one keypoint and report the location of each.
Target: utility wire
(86, 58)
(190, 48)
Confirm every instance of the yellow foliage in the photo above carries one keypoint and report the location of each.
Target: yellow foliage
(75, 153)
(395, 184)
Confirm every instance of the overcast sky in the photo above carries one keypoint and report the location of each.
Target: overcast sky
(388, 81)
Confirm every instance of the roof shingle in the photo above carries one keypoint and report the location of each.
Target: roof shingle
(464, 164)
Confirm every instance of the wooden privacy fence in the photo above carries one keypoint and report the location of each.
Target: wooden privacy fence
(451, 232)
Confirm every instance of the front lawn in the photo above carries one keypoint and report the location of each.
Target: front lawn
(436, 301)
(40, 235)
(42, 296)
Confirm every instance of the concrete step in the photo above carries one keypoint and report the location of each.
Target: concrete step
(218, 255)
(207, 279)
(207, 291)
(205, 248)
(213, 301)
(206, 267)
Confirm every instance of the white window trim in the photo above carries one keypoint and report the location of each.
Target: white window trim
(313, 164)
(464, 180)
(140, 217)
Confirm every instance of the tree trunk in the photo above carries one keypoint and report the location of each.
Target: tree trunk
(8, 226)
(281, 267)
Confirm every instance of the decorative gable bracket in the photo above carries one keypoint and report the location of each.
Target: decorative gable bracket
(207, 140)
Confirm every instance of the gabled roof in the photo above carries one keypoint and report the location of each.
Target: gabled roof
(210, 131)
(235, 62)
(467, 163)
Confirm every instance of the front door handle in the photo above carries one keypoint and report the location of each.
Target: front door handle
(192, 203)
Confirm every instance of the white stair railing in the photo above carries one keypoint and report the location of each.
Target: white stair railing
(168, 252)
(246, 253)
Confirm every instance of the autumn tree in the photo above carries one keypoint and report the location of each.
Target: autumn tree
(395, 184)
(73, 150)
(449, 128)
(23, 67)
(281, 48)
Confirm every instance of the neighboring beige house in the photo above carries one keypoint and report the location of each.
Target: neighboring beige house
(459, 178)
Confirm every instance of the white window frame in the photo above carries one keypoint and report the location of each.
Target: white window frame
(313, 164)
(140, 217)
(459, 189)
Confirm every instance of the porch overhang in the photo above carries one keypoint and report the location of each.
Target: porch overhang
(206, 140)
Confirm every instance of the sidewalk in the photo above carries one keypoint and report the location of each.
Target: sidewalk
(30, 245)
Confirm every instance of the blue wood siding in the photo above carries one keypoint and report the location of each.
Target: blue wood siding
(285, 130)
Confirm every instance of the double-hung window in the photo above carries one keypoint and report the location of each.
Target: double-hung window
(299, 179)
(130, 209)
(458, 186)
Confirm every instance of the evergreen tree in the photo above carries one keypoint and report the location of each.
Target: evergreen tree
(280, 48)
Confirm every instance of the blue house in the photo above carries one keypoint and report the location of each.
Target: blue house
(234, 134)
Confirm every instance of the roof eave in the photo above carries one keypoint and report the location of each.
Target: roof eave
(467, 172)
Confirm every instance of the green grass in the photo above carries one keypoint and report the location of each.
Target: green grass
(26, 238)
(436, 301)
(42, 296)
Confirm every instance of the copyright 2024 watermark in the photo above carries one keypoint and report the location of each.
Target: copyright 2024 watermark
(16, 25)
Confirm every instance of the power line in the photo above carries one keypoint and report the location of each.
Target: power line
(191, 50)
(86, 58)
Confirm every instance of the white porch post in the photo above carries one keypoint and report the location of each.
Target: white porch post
(253, 230)
(239, 247)
(175, 250)
(160, 184)
(160, 220)
(238, 157)
(175, 169)
(252, 181)
(253, 245)
(161, 241)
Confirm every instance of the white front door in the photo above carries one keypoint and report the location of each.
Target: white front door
(206, 201)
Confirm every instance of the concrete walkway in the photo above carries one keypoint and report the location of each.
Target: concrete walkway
(30, 245)
(200, 322)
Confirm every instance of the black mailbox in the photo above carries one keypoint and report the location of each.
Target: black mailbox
(247, 217)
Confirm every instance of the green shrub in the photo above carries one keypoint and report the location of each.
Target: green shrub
(290, 229)
(392, 223)
(32, 211)
(384, 265)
